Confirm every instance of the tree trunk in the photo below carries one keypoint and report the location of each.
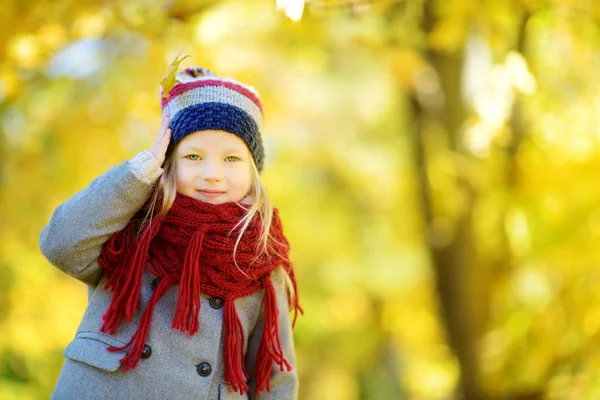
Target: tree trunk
(454, 263)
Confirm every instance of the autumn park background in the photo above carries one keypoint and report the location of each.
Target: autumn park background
(436, 164)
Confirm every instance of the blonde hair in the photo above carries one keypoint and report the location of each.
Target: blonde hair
(260, 206)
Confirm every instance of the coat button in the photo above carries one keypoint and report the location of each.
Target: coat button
(216, 302)
(155, 283)
(204, 369)
(147, 352)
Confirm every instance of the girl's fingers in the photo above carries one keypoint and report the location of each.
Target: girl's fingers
(164, 124)
(162, 140)
(164, 144)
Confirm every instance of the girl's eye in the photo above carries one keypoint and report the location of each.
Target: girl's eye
(232, 159)
(192, 157)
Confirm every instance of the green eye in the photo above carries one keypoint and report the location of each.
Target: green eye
(192, 157)
(232, 159)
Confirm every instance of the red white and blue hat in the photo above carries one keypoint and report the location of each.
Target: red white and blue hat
(201, 100)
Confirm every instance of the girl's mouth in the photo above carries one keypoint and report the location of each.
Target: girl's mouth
(211, 193)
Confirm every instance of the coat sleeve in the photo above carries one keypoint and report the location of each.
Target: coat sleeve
(284, 384)
(73, 239)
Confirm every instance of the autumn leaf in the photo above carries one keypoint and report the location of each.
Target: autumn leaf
(168, 80)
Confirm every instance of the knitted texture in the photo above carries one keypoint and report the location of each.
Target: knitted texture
(193, 246)
(200, 100)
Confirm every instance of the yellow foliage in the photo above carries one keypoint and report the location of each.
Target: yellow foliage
(405, 64)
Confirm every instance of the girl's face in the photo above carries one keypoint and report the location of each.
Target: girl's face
(213, 166)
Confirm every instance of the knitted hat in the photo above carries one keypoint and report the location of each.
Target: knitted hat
(200, 100)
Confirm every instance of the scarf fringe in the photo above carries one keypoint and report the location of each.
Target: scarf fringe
(188, 300)
(296, 303)
(125, 277)
(270, 349)
(138, 340)
(235, 368)
(116, 248)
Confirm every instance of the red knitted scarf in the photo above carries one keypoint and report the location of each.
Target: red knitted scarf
(193, 246)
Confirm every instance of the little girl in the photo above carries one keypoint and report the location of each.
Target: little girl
(189, 280)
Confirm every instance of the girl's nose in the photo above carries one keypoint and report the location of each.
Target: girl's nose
(212, 171)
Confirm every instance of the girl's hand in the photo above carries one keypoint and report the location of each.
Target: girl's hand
(161, 141)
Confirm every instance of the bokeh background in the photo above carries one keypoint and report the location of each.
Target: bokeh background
(435, 163)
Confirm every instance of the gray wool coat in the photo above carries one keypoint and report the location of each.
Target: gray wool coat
(175, 364)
